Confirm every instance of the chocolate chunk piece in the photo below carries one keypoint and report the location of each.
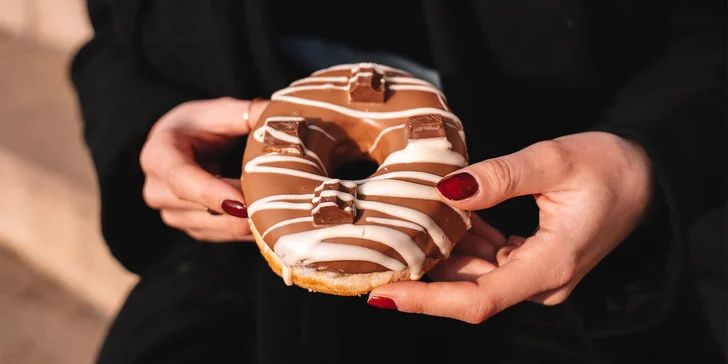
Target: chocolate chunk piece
(285, 134)
(333, 203)
(425, 127)
(366, 84)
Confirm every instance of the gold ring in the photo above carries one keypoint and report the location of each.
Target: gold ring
(252, 102)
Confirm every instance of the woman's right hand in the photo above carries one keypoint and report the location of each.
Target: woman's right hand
(180, 160)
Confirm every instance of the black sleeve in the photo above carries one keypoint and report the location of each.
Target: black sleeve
(676, 109)
(119, 102)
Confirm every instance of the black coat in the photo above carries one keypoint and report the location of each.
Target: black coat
(515, 72)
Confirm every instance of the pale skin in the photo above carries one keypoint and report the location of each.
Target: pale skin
(180, 186)
(592, 189)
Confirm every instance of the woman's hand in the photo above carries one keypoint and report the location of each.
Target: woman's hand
(179, 161)
(592, 189)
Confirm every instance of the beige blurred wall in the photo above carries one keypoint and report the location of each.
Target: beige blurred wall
(61, 24)
(49, 214)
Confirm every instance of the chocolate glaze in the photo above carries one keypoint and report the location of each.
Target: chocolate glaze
(335, 138)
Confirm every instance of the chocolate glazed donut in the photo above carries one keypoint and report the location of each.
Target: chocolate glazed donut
(348, 237)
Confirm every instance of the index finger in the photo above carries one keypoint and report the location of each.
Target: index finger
(472, 302)
(173, 162)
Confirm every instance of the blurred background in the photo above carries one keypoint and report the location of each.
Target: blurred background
(59, 287)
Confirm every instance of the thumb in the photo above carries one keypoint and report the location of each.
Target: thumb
(469, 301)
(532, 170)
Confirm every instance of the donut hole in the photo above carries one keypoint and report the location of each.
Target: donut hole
(356, 169)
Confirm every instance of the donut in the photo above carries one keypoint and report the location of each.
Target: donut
(346, 237)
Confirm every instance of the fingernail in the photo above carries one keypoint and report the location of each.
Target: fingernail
(458, 186)
(382, 302)
(235, 208)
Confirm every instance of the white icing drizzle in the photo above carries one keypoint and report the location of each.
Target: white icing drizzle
(418, 88)
(265, 202)
(404, 189)
(354, 67)
(325, 86)
(322, 131)
(341, 195)
(287, 138)
(259, 134)
(381, 134)
(325, 204)
(367, 114)
(283, 136)
(395, 222)
(438, 236)
(311, 246)
(340, 79)
(276, 205)
(254, 166)
(345, 80)
(420, 176)
(285, 223)
(433, 150)
(397, 188)
(331, 86)
(316, 157)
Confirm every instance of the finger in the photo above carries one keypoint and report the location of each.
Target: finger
(471, 302)
(460, 268)
(158, 196)
(223, 116)
(167, 158)
(481, 228)
(202, 220)
(503, 255)
(475, 246)
(538, 168)
(235, 182)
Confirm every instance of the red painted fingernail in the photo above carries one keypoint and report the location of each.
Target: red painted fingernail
(458, 186)
(235, 208)
(382, 302)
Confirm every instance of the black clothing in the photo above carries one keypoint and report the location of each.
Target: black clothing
(516, 72)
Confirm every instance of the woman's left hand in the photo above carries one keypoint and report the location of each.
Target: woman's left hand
(592, 190)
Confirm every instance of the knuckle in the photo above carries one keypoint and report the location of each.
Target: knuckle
(555, 154)
(169, 218)
(557, 298)
(500, 175)
(146, 159)
(417, 308)
(605, 194)
(184, 184)
(149, 196)
(481, 310)
(565, 275)
(154, 151)
(178, 183)
(207, 198)
(185, 107)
